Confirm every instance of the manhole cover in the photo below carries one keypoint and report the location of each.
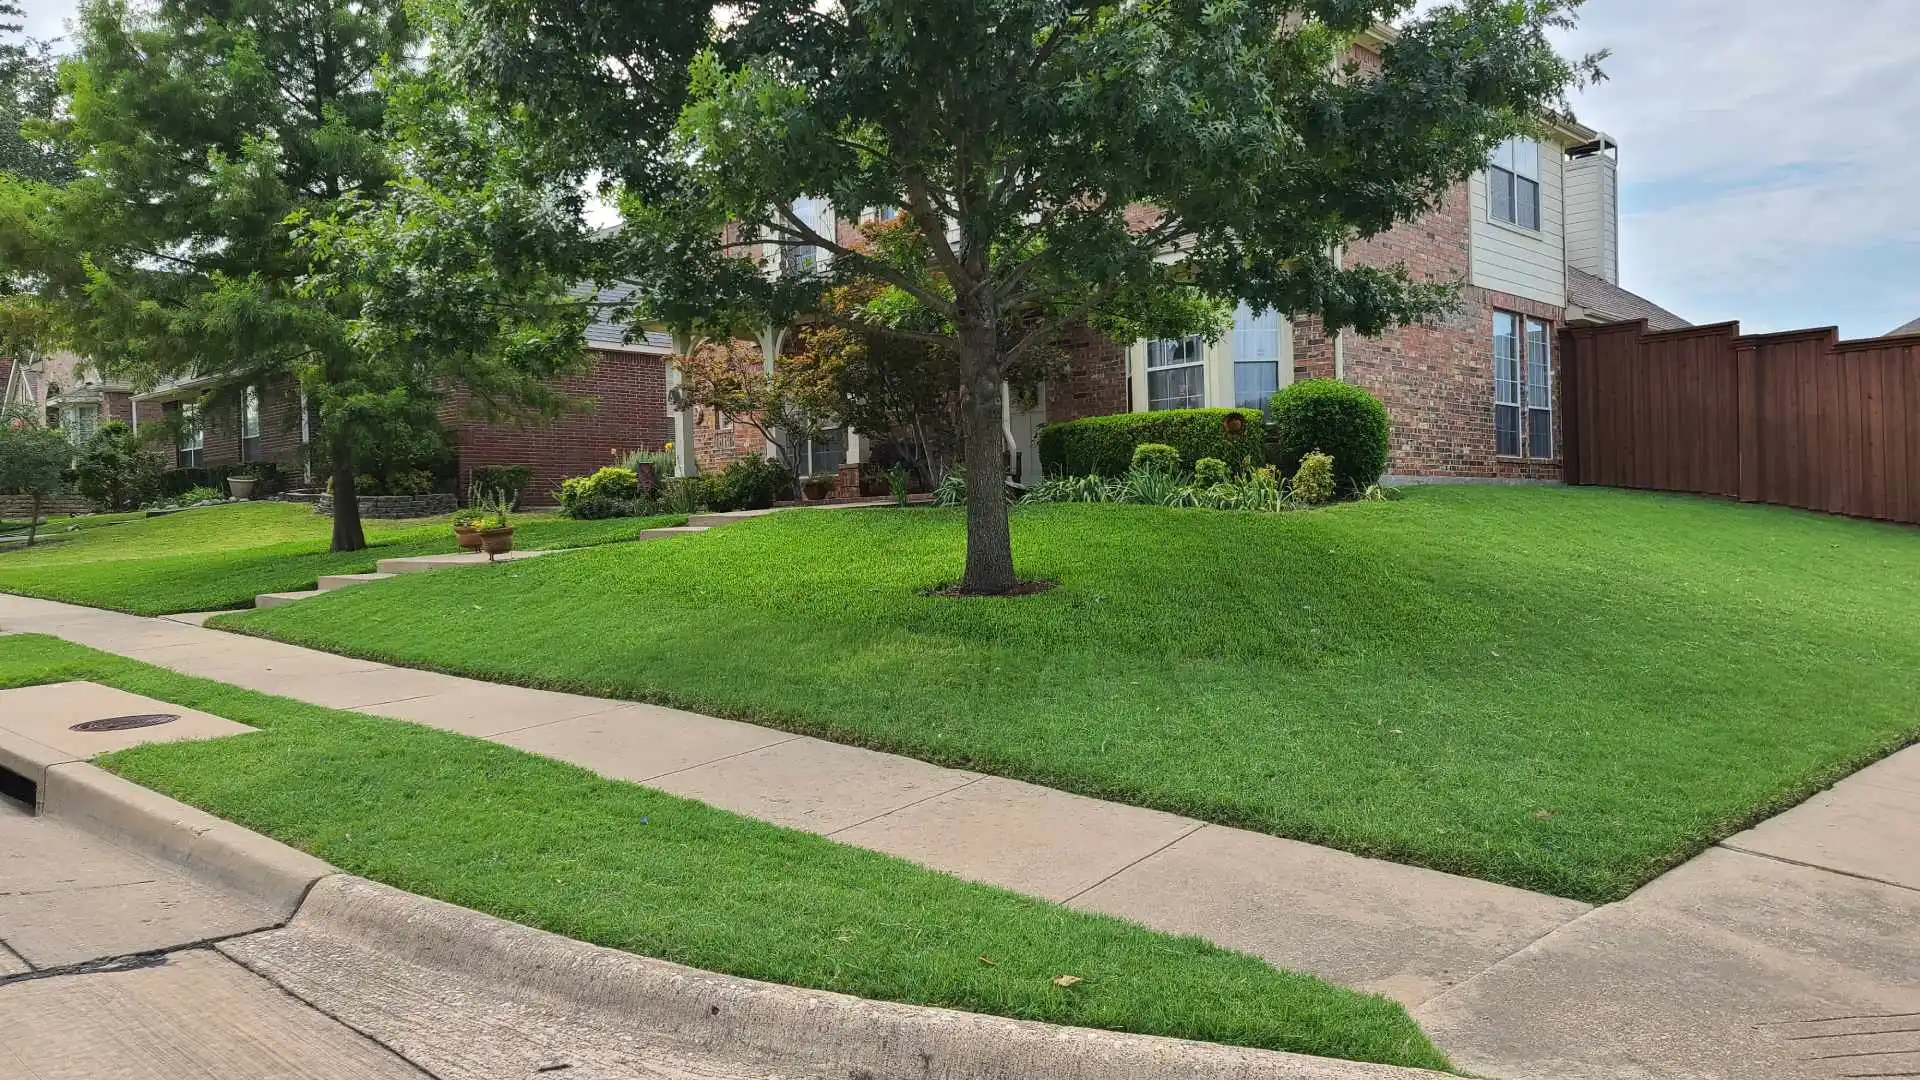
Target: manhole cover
(126, 723)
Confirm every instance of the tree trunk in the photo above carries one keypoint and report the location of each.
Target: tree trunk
(347, 533)
(33, 520)
(989, 539)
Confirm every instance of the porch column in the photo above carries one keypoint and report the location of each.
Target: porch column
(771, 340)
(684, 463)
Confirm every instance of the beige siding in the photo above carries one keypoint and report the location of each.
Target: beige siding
(1524, 262)
(1593, 218)
(1219, 369)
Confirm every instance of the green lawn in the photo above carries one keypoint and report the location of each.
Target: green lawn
(224, 556)
(1567, 690)
(554, 846)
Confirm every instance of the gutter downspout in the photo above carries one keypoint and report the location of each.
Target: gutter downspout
(306, 435)
(1006, 427)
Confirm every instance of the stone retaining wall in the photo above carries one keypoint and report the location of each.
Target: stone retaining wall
(396, 506)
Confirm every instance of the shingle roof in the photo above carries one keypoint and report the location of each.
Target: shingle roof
(1603, 298)
(603, 333)
(1911, 328)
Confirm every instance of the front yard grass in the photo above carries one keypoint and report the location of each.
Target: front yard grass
(223, 556)
(1566, 690)
(554, 846)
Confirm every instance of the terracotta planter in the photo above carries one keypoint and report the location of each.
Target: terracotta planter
(496, 541)
(241, 486)
(469, 538)
(816, 490)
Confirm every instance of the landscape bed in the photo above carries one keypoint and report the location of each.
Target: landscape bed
(550, 845)
(1565, 690)
(223, 556)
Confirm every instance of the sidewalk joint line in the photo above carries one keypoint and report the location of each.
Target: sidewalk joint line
(133, 961)
(369, 1036)
(1197, 826)
(1822, 869)
(908, 806)
(617, 705)
(80, 888)
(714, 761)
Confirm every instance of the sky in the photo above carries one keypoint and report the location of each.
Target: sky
(1769, 154)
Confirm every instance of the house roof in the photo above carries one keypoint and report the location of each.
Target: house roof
(603, 333)
(1911, 328)
(1606, 301)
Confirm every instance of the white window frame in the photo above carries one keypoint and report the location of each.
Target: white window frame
(250, 424)
(806, 451)
(1523, 387)
(69, 422)
(193, 437)
(817, 213)
(1513, 184)
(1168, 353)
(1255, 344)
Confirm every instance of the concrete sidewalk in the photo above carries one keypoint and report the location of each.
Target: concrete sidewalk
(1791, 951)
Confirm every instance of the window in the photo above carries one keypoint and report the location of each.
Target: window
(1522, 387)
(884, 213)
(79, 422)
(1176, 374)
(1513, 183)
(818, 215)
(250, 425)
(192, 437)
(823, 456)
(1256, 357)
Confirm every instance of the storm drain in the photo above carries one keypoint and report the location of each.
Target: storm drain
(126, 723)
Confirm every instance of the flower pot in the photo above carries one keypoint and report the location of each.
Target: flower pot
(241, 486)
(469, 538)
(817, 489)
(496, 541)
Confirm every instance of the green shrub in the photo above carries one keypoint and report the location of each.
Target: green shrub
(952, 489)
(511, 479)
(1157, 487)
(1314, 483)
(684, 495)
(1156, 456)
(1075, 489)
(601, 507)
(112, 471)
(409, 482)
(1209, 471)
(610, 492)
(749, 483)
(1103, 445)
(1336, 418)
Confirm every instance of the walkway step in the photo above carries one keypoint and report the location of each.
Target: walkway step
(420, 564)
(340, 581)
(673, 530)
(276, 599)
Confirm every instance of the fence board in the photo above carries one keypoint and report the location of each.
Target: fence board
(1798, 419)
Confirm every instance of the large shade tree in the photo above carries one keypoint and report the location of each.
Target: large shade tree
(254, 180)
(1057, 157)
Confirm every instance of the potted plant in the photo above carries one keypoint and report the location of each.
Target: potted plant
(817, 488)
(466, 528)
(496, 532)
(241, 483)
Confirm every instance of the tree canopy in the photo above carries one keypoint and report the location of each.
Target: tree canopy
(1057, 159)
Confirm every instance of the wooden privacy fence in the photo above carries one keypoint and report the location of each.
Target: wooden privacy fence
(1799, 419)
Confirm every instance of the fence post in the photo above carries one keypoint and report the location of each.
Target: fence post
(1569, 407)
(1747, 400)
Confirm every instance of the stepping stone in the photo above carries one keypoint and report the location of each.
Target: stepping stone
(420, 564)
(340, 581)
(275, 599)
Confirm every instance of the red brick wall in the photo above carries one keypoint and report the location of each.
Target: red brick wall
(115, 405)
(1094, 382)
(623, 398)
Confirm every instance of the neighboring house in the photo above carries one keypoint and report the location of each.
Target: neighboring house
(269, 424)
(66, 391)
(1911, 328)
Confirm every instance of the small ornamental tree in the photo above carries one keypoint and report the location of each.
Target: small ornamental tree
(33, 463)
(1056, 158)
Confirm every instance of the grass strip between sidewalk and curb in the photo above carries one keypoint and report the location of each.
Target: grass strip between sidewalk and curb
(219, 557)
(553, 846)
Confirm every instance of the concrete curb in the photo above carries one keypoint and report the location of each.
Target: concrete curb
(813, 1031)
(208, 847)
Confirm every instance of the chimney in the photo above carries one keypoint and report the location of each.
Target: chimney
(1593, 209)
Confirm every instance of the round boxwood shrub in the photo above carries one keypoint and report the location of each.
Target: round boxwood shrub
(1156, 456)
(1336, 418)
(1209, 471)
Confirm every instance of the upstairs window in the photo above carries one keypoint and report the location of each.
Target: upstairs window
(1176, 374)
(817, 214)
(1513, 183)
(1256, 357)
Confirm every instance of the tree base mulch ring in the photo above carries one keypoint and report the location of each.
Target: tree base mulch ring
(1020, 588)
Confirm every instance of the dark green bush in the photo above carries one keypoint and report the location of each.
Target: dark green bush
(174, 482)
(600, 507)
(1336, 418)
(1209, 471)
(113, 471)
(1103, 445)
(749, 483)
(511, 479)
(1156, 456)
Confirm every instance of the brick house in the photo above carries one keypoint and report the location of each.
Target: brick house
(65, 391)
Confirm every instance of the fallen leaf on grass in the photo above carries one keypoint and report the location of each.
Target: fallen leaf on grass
(1066, 980)
(989, 961)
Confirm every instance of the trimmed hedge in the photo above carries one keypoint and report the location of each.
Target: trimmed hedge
(1103, 445)
(1336, 418)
